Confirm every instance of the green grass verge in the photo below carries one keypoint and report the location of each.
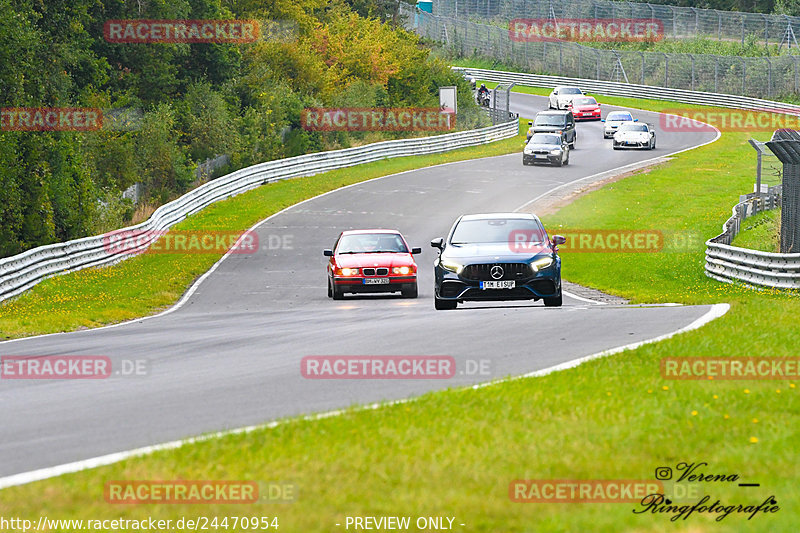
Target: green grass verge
(152, 282)
(455, 452)
(761, 232)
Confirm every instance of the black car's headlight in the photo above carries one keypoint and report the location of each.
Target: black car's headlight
(541, 263)
(450, 265)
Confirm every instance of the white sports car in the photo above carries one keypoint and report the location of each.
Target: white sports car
(635, 135)
(562, 96)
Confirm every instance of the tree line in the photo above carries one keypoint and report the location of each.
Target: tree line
(185, 103)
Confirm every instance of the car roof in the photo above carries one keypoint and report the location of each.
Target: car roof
(553, 112)
(620, 113)
(486, 216)
(567, 87)
(362, 231)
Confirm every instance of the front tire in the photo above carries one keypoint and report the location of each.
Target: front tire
(444, 305)
(330, 290)
(411, 292)
(555, 301)
(338, 294)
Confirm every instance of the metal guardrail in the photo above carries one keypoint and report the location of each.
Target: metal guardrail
(728, 263)
(21, 272)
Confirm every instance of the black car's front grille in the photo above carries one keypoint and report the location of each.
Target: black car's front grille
(506, 271)
(375, 271)
(540, 152)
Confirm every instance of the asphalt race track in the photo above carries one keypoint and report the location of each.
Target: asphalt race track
(230, 356)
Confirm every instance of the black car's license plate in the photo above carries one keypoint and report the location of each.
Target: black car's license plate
(497, 284)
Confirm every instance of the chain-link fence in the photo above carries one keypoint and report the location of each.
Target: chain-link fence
(679, 22)
(760, 77)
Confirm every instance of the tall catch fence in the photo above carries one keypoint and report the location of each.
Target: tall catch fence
(761, 77)
(678, 22)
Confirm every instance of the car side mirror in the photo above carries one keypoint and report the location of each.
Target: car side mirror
(636, 120)
(530, 123)
(437, 243)
(602, 120)
(558, 239)
(415, 251)
(327, 253)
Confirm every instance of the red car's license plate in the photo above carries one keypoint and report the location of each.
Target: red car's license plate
(376, 281)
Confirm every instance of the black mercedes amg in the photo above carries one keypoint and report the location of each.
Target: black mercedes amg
(498, 256)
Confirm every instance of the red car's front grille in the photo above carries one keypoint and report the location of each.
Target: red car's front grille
(375, 271)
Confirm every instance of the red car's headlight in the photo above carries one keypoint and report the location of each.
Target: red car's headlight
(347, 272)
(403, 270)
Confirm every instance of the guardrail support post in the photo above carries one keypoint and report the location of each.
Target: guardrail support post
(786, 145)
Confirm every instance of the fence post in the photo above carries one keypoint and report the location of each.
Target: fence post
(691, 56)
(716, 73)
(643, 66)
(580, 65)
(674, 23)
(719, 25)
(744, 76)
(742, 30)
(560, 54)
(766, 32)
(597, 62)
(794, 61)
(666, 70)
(769, 76)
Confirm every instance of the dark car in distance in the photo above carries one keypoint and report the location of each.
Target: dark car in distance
(559, 122)
(498, 256)
(546, 148)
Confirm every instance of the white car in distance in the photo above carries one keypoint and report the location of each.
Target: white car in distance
(613, 120)
(562, 96)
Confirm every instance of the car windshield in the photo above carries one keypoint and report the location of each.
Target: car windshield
(371, 243)
(549, 120)
(545, 138)
(619, 116)
(633, 127)
(498, 230)
(584, 101)
(570, 90)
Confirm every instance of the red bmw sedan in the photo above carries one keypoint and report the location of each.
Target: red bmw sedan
(370, 261)
(585, 108)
